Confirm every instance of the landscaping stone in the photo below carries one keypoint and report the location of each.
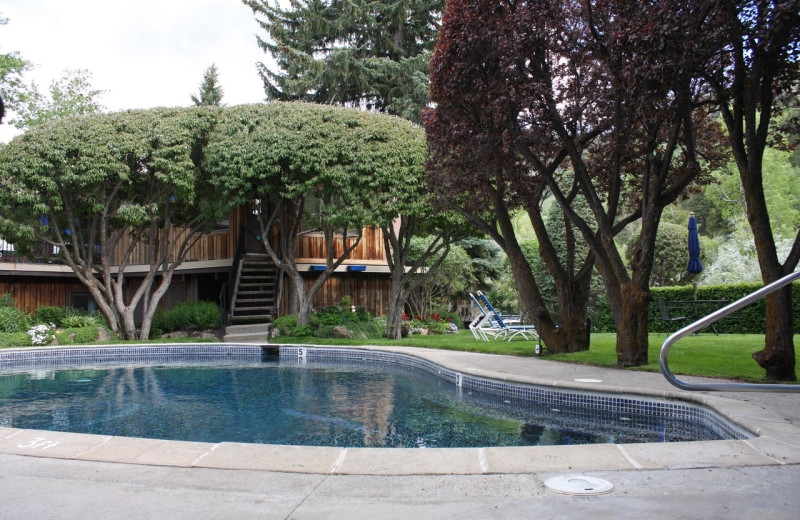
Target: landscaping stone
(342, 332)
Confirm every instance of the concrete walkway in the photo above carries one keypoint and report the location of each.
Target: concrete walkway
(61, 475)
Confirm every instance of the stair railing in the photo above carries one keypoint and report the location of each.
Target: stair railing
(712, 318)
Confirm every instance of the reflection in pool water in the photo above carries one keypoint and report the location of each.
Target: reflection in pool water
(314, 403)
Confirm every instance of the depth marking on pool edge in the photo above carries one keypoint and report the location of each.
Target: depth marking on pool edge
(482, 460)
(339, 461)
(628, 457)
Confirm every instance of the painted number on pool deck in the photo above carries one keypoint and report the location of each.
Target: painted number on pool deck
(39, 442)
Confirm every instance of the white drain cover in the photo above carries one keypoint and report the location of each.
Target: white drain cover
(579, 485)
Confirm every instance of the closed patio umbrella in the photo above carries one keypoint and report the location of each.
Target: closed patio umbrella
(694, 265)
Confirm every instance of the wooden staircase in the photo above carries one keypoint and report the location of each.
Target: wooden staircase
(255, 295)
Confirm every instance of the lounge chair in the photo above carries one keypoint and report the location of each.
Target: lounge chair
(505, 329)
(484, 325)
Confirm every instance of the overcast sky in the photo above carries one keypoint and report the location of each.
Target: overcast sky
(144, 53)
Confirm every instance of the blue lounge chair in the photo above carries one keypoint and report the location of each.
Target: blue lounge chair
(506, 330)
(484, 323)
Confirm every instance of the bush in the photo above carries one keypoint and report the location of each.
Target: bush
(451, 317)
(371, 328)
(301, 331)
(15, 339)
(47, 314)
(6, 300)
(202, 315)
(14, 320)
(326, 331)
(78, 321)
(206, 315)
(750, 320)
(437, 327)
(77, 335)
(284, 324)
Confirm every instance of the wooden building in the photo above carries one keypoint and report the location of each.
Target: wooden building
(227, 265)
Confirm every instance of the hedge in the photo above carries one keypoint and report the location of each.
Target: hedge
(750, 320)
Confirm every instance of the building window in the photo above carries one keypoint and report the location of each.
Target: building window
(82, 300)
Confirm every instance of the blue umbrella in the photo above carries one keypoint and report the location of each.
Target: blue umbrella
(694, 266)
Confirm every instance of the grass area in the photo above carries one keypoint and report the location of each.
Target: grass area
(725, 356)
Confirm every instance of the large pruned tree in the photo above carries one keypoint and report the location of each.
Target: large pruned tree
(610, 87)
(757, 60)
(288, 155)
(360, 53)
(109, 191)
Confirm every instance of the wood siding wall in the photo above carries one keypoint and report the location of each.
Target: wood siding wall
(32, 292)
(211, 246)
(367, 290)
(370, 249)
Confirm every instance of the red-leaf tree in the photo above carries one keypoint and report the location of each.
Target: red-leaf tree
(584, 101)
(757, 62)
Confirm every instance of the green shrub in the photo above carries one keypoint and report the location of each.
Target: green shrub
(451, 317)
(327, 319)
(206, 315)
(78, 321)
(6, 300)
(326, 331)
(14, 339)
(47, 314)
(362, 314)
(77, 335)
(749, 320)
(372, 329)
(14, 320)
(284, 324)
(202, 315)
(437, 327)
(301, 331)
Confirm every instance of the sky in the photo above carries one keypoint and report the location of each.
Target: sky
(143, 53)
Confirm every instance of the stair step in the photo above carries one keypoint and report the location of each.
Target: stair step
(249, 317)
(255, 300)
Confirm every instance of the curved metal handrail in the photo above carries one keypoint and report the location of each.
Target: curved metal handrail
(708, 320)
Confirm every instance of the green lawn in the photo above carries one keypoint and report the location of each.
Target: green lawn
(726, 356)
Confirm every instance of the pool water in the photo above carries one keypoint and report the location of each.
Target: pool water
(315, 404)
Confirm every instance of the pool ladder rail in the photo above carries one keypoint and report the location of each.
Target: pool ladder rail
(712, 318)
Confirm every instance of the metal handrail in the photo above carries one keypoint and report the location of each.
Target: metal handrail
(708, 320)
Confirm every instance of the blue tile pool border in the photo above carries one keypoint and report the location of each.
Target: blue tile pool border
(596, 401)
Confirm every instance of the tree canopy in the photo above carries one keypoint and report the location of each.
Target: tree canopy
(288, 155)
(99, 188)
(590, 101)
(362, 53)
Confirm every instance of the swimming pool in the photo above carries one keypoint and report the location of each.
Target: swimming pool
(145, 390)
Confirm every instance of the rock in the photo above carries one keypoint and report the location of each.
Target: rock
(206, 335)
(342, 332)
(103, 334)
(178, 334)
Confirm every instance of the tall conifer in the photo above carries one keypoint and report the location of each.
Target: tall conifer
(362, 53)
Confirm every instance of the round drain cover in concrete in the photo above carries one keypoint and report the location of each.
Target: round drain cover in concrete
(579, 485)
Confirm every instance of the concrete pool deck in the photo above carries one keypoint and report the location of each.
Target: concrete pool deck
(761, 473)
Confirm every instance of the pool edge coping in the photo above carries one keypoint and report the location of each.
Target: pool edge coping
(777, 441)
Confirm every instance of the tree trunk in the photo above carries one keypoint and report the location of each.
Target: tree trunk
(778, 356)
(631, 320)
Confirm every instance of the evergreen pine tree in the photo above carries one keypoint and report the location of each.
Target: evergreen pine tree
(210, 92)
(372, 54)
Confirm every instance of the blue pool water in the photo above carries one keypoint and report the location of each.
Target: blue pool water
(316, 403)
